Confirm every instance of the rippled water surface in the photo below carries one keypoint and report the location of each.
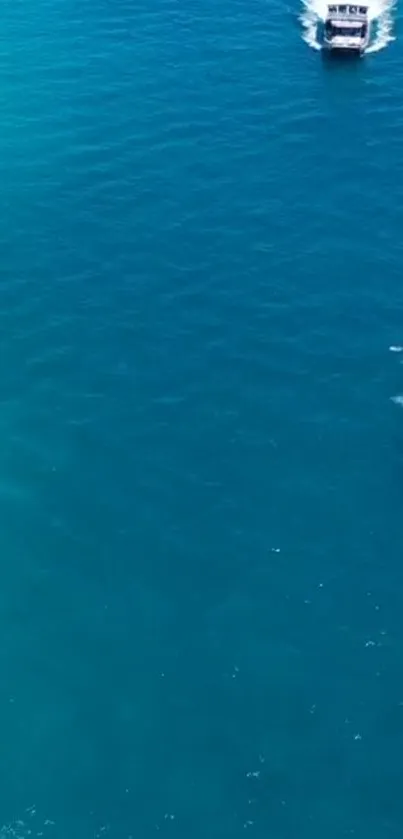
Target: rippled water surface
(201, 458)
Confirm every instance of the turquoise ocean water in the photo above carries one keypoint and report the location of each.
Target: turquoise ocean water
(201, 465)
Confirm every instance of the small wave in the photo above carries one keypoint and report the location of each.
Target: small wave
(380, 12)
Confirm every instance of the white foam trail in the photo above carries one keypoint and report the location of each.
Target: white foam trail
(380, 12)
(313, 12)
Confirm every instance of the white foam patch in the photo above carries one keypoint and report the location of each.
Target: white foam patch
(314, 11)
(380, 12)
(28, 827)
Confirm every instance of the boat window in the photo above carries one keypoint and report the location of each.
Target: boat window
(346, 31)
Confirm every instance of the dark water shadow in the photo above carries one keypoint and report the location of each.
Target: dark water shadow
(343, 75)
(341, 60)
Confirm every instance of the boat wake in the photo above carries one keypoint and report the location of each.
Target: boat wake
(380, 12)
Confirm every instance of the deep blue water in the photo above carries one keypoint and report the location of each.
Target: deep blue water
(201, 630)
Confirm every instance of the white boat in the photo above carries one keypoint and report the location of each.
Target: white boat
(347, 28)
